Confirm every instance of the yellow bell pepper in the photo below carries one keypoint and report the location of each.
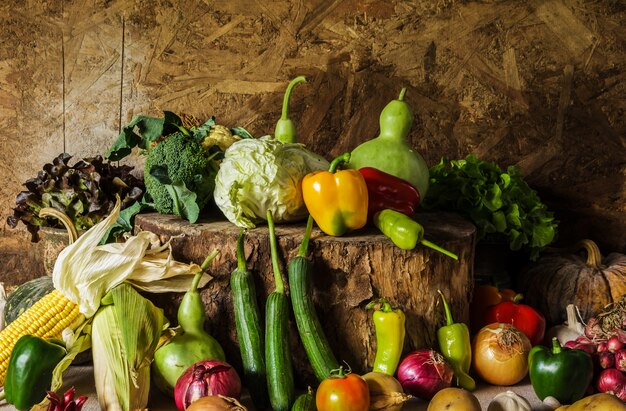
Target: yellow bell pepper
(337, 200)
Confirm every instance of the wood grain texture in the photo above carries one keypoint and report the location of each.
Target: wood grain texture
(348, 272)
(540, 85)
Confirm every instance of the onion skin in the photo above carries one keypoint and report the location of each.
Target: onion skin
(606, 360)
(620, 360)
(500, 354)
(385, 392)
(610, 381)
(216, 403)
(423, 373)
(204, 379)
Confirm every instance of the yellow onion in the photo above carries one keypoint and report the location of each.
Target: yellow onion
(216, 403)
(385, 392)
(500, 354)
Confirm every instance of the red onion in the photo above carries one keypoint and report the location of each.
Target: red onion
(606, 359)
(423, 373)
(610, 381)
(206, 378)
(583, 340)
(621, 392)
(602, 346)
(620, 360)
(588, 348)
(613, 344)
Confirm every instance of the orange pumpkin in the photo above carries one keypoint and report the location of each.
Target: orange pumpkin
(557, 280)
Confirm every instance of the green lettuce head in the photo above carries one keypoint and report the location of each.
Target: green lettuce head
(264, 174)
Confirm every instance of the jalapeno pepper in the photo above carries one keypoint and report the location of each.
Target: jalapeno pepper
(29, 374)
(389, 326)
(454, 343)
(404, 231)
(337, 200)
(388, 191)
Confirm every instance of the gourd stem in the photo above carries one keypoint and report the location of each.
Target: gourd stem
(402, 93)
(241, 258)
(278, 278)
(285, 111)
(441, 250)
(594, 257)
(304, 246)
(203, 267)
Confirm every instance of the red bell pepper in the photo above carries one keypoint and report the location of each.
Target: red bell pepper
(521, 316)
(386, 191)
(484, 297)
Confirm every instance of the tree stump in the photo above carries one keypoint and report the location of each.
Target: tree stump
(348, 273)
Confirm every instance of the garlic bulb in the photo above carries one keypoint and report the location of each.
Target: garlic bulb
(509, 401)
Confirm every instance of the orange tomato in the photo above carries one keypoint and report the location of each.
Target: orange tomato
(343, 392)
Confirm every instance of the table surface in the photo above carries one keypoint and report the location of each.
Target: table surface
(81, 377)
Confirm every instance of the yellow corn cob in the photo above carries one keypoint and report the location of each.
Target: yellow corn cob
(47, 318)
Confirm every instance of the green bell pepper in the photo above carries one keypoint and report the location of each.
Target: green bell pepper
(560, 372)
(29, 374)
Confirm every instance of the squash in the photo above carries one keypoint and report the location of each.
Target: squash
(559, 279)
(26, 295)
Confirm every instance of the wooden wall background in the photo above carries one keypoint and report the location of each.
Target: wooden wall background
(538, 84)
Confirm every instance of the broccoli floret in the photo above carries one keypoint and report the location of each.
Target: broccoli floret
(187, 162)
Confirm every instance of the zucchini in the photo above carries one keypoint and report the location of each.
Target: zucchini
(314, 340)
(249, 326)
(305, 402)
(280, 382)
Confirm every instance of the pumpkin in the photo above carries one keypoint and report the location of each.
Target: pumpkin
(26, 295)
(563, 278)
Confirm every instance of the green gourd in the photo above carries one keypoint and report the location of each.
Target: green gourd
(25, 296)
(193, 345)
(390, 151)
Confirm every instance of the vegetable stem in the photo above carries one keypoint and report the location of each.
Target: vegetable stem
(446, 308)
(441, 250)
(285, 111)
(345, 157)
(241, 259)
(402, 93)
(203, 267)
(304, 246)
(278, 279)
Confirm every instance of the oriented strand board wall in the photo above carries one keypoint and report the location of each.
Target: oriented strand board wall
(537, 84)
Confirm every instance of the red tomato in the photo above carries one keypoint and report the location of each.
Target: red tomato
(343, 392)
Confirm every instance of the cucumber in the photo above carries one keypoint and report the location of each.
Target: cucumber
(305, 402)
(249, 326)
(280, 382)
(314, 340)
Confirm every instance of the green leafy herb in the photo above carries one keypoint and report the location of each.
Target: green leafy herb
(501, 204)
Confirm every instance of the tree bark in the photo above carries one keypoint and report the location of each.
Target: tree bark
(348, 272)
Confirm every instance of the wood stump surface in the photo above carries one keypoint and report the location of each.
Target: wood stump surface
(348, 273)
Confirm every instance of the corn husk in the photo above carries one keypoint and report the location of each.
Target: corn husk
(85, 271)
(125, 333)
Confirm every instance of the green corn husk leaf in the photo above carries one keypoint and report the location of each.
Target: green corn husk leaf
(125, 334)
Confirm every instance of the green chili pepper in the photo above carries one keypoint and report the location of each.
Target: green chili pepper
(29, 374)
(454, 343)
(559, 372)
(404, 231)
(389, 325)
(285, 130)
